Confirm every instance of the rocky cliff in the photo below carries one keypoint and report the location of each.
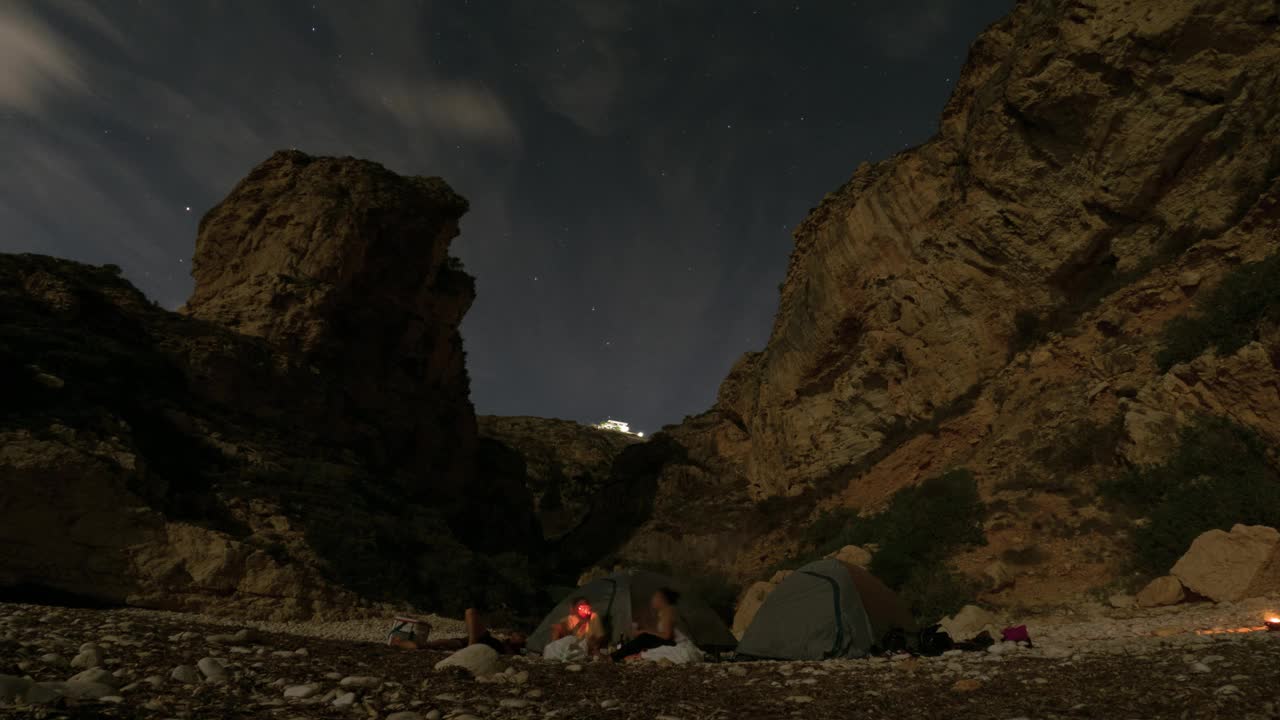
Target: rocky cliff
(999, 294)
(566, 465)
(298, 441)
(345, 266)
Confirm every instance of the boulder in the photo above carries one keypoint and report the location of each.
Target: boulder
(852, 555)
(1162, 591)
(1230, 566)
(749, 604)
(479, 660)
(970, 622)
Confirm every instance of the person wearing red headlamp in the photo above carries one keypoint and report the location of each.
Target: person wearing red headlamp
(581, 633)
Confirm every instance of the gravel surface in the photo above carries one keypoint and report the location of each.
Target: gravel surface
(276, 674)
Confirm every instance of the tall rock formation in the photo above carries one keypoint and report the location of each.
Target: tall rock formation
(982, 298)
(345, 266)
(295, 445)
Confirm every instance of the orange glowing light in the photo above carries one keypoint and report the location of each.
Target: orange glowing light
(1273, 619)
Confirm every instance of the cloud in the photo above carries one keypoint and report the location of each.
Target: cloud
(577, 60)
(35, 62)
(466, 110)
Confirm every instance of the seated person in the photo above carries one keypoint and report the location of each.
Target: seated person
(663, 634)
(477, 634)
(580, 634)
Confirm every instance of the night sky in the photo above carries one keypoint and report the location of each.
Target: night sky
(634, 168)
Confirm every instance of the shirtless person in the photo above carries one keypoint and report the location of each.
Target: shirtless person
(583, 625)
(477, 634)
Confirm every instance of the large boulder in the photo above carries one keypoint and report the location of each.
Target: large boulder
(479, 660)
(749, 604)
(1229, 566)
(1162, 591)
(852, 555)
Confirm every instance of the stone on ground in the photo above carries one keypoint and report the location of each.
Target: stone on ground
(360, 681)
(1162, 591)
(185, 674)
(96, 675)
(88, 658)
(301, 691)
(1231, 566)
(212, 669)
(479, 660)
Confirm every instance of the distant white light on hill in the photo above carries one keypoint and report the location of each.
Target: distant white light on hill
(618, 426)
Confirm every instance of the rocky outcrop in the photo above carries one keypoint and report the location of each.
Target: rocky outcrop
(345, 266)
(994, 298)
(1082, 142)
(566, 465)
(295, 445)
(1230, 566)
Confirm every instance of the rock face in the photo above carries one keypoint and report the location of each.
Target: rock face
(346, 266)
(298, 440)
(996, 295)
(566, 465)
(1230, 566)
(1045, 179)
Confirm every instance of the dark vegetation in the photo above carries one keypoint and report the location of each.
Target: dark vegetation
(920, 528)
(1226, 318)
(1221, 474)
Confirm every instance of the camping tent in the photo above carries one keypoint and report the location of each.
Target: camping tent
(623, 598)
(826, 609)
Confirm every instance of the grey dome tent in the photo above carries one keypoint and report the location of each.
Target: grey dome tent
(623, 598)
(826, 609)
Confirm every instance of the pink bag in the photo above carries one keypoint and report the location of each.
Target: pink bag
(1017, 633)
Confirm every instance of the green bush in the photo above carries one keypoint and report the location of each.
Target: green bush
(1219, 475)
(1227, 318)
(1028, 330)
(921, 527)
(934, 593)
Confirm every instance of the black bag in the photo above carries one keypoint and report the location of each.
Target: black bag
(933, 641)
(894, 641)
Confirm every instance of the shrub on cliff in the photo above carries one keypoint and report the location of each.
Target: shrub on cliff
(1227, 317)
(921, 527)
(1220, 475)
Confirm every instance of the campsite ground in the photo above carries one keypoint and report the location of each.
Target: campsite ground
(1183, 675)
